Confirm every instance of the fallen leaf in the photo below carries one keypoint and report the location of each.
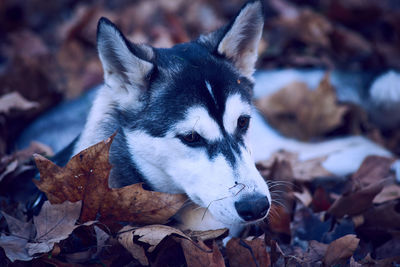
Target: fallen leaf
(125, 238)
(101, 239)
(340, 250)
(53, 224)
(15, 101)
(154, 234)
(367, 182)
(321, 200)
(315, 251)
(15, 248)
(373, 169)
(305, 196)
(247, 252)
(14, 245)
(384, 216)
(354, 203)
(207, 235)
(279, 219)
(389, 192)
(11, 167)
(303, 170)
(85, 177)
(299, 112)
(200, 255)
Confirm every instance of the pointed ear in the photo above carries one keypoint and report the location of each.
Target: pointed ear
(238, 41)
(125, 64)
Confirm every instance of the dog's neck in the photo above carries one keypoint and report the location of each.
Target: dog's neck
(100, 125)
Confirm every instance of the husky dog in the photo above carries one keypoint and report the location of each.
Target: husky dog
(182, 115)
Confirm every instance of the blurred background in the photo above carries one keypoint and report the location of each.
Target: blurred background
(48, 52)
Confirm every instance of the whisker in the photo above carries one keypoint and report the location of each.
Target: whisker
(236, 184)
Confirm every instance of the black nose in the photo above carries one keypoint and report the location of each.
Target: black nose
(252, 207)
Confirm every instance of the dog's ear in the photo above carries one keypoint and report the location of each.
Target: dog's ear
(124, 63)
(238, 41)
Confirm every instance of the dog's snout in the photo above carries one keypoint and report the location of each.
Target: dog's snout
(252, 207)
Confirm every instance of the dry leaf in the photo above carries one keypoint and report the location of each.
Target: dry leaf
(53, 224)
(154, 234)
(200, 255)
(385, 216)
(15, 101)
(321, 200)
(247, 252)
(299, 112)
(303, 170)
(340, 250)
(367, 182)
(15, 248)
(207, 235)
(101, 239)
(85, 177)
(279, 219)
(315, 252)
(125, 238)
(14, 245)
(305, 196)
(389, 192)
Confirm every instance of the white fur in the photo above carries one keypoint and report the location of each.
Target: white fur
(234, 108)
(91, 133)
(198, 120)
(136, 68)
(385, 90)
(208, 85)
(173, 167)
(229, 46)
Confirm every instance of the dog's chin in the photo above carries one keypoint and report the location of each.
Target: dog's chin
(195, 218)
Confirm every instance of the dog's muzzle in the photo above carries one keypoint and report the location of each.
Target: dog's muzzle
(252, 207)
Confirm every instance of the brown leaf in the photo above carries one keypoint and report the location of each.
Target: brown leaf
(305, 196)
(367, 182)
(85, 178)
(247, 252)
(303, 170)
(14, 245)
(340, 250)
(315, 251)
(389, 192)
(207, 235)
(385, 216)
(321, 200)
(200, 255)
(299, 112)
(53, 224)
(125, 238)
(279, 219)
(373, 169)
(154, 234)
(101, 239)
(15, 248)
(15, 101)
(355, 202)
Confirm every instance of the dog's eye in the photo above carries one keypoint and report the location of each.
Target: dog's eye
(192, 138)
(243, 122)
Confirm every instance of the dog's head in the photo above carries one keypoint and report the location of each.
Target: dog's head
(185, 113)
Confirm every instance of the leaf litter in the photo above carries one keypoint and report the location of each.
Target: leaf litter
(318, 219)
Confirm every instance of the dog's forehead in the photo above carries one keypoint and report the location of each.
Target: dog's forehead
(194, 76)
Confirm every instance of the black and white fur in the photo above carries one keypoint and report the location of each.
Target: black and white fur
(181, 116)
